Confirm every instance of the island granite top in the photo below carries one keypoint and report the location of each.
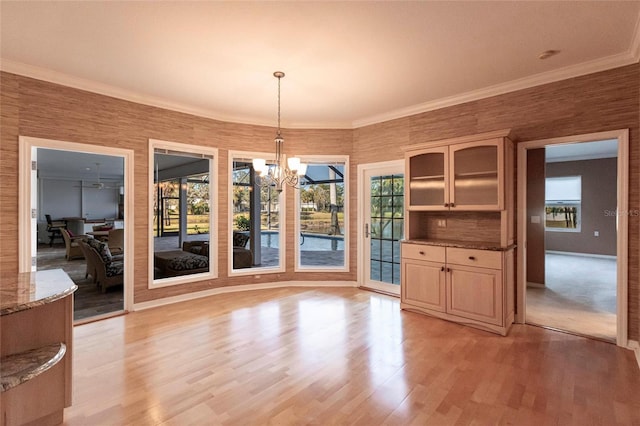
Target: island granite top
(31, 289)
(478, 245)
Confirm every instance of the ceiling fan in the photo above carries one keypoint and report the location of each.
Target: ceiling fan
(98, 184)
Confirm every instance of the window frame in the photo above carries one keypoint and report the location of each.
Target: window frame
(177, 147)
(281, 267)
(319, 159)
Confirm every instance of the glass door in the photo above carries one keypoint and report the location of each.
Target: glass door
(383, 228)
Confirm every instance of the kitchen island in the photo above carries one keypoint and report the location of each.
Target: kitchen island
(36, 335)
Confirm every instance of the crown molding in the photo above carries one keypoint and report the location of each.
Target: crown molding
(51, 76)
(630, 57)
(634, 50)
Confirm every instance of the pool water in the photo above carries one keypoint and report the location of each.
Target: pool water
(309, 242)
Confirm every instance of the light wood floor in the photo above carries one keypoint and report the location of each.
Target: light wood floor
(579, 296)
(338, 356)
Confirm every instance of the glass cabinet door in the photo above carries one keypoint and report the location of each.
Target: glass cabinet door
(475, 176)
(427, 180)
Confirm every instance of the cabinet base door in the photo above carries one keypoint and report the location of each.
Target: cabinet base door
(423, 285)
(475, 293)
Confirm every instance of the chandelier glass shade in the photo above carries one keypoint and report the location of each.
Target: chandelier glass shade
(279, 174)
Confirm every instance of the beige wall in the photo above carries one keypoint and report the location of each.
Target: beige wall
(603, 101)
(598, 197)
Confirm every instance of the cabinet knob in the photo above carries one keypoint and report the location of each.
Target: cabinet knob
(446, 204)
(421, 252)
(472, 258)
(448, 269)
(452, 204)
(442, 269)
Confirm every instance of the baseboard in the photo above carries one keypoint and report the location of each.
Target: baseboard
(535, 285)
(571, 253)
(232, 289)
(635, 347)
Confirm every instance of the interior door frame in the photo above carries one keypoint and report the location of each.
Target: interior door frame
(27, 201)
(622, 233)
(362, 220)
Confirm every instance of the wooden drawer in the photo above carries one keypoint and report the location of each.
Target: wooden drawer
(423, 252)
(472, 257)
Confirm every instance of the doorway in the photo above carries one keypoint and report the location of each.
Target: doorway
(572, 234)
(86, 191)
(381, 220)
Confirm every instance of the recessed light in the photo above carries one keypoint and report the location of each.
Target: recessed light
(548, 53)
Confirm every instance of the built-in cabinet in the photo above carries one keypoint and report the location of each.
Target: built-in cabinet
(465, 176)
(458, 258)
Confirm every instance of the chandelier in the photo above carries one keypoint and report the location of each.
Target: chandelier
(279, 174)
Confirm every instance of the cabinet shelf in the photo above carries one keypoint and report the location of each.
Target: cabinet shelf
(432, 177)
(493, 173)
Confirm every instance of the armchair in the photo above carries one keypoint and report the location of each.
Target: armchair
(242, 257)
(116, 241)
(72, 246)
(53, 228)
(109, 272)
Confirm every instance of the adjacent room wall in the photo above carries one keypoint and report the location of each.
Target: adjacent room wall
(598, 207)
(606, 100)
(535, 209)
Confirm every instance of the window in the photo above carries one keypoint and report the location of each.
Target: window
(321, 212)
(563, 197)
(182, 204)
(256, 215)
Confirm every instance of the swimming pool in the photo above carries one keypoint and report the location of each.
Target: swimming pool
(309, 242)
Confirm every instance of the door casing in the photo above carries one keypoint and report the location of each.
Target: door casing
(385, 167)
(27, 201)
(622, 251)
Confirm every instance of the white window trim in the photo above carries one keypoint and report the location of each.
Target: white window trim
(213, 213)
(564, 203)
(281, 218)
(328, 159)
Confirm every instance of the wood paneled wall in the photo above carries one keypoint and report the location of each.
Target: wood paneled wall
(608, 100)
(603, 101)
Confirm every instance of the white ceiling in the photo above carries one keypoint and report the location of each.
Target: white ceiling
(53, 163)
(582, 151)
(347, 64)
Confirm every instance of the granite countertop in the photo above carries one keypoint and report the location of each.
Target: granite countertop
(21, 367)
(478, 245)
(31, 289)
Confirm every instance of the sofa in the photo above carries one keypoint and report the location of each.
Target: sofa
(192, 259)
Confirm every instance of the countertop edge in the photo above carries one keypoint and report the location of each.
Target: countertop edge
(461, 244)
(25, 366)
(34, 304)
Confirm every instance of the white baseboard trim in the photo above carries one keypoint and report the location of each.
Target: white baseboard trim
(570, 253)
(535, 285)
(635, 347)
(235, 288)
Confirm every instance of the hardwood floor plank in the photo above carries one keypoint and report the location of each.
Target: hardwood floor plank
(338, 356)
